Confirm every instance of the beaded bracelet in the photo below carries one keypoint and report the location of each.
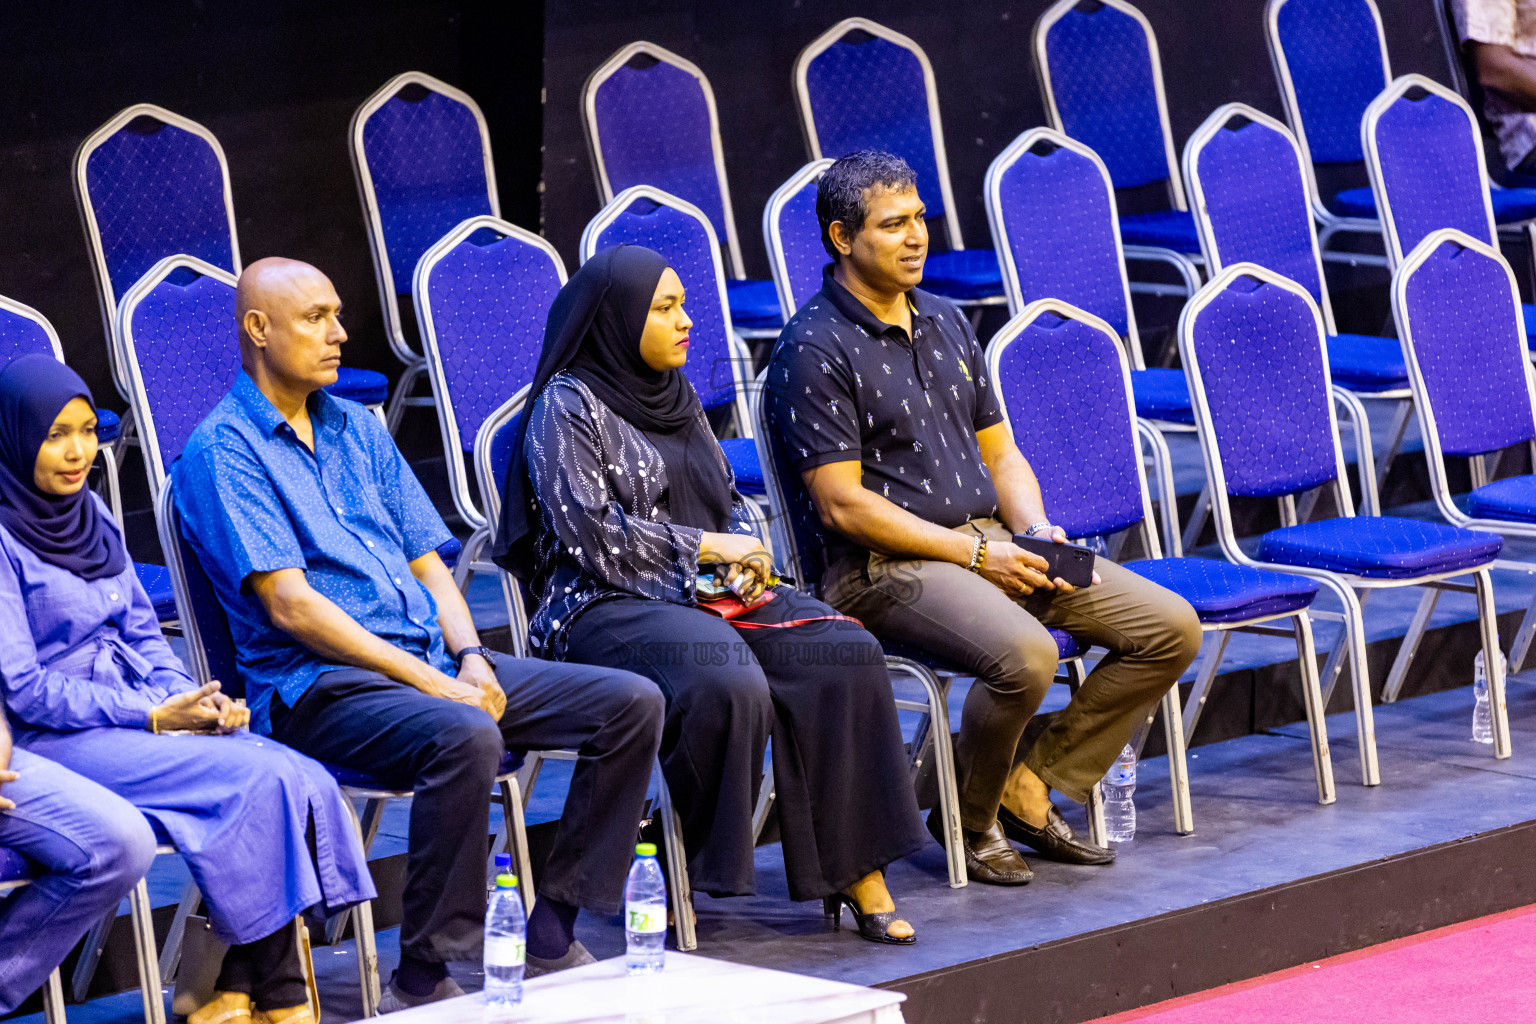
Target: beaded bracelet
(978, 554)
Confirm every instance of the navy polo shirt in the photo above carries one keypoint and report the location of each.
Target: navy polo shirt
(351, 514)
(845, 385)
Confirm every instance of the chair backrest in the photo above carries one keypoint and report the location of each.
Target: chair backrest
(421, 153)
(1102, 80)
(1425, 156)
(210, 645)
(647, 216)
(1458, 314)
(181, 350)
(798, 539)
(1330, 59)
(792, 236)
(651, 120)
(863, 86)
(1247, 184)
(1253, 350)
(24, 332)
(493, 454)
(1052, 209)
(1065, 385)
(151, 184)
(482, 296)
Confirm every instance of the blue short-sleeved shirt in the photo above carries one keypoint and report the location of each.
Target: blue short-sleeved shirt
(351, 514)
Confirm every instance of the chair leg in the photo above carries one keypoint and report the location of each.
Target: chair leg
(367, 951)
(765, 796)
(1487, 619)
(1410, 645)
(516, 831)
(1209, 664)
(1334, 667)
(1178, 763)
(170, 953)
(404, 387)
(1098, 832)
(465, 570)
(1197, 517)
(937, 735)
(127, 436)
(144, 951)
(90, 956)
(1395, 435)
(1352, 646)
(53, 999)
(685, 923)
(367, 830)
(1312, 697)
(1523, 635)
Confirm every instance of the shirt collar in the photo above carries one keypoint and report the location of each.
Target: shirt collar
(849, 305)
(326, 412)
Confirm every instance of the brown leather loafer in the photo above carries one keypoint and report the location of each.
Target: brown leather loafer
(1056, 841)
(988, 856)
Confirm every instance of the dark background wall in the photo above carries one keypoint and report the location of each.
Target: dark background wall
(277, 82)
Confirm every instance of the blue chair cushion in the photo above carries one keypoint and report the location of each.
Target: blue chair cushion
(963, 275)
(1224, 592)
(1361, 362)
(1511, 500)
(1528, 315)
(1162, 395)
(13, 865)
(1510, 205)
(511, 761)
(1165, 229)
(1067, 648)
(1380, 547)
(156, 581)
(450, 551)
(754, 305)
(741, 453)
(1355, 202)
(109, 426)
(365, 387)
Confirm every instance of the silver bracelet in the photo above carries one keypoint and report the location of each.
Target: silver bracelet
(1035, 528)
(976, 550)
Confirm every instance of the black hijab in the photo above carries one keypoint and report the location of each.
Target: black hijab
(69, 531)
(593, 332)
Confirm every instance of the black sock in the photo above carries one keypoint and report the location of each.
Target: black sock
(419, 977)
(551, 928)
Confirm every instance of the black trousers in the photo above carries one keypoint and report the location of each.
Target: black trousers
(268, 970)
(844, 799)
(447, 753)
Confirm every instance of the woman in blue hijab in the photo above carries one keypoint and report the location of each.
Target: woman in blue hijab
(90, 683)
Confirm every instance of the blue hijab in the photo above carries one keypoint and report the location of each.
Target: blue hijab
(69, 531)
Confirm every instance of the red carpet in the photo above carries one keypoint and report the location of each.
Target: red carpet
(1482, 970)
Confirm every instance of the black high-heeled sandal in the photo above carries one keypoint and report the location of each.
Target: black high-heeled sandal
(871, 926)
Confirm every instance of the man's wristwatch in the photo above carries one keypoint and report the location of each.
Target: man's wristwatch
(484, 652)
(1039, 527)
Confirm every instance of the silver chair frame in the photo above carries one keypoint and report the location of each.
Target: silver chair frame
(741, 359)
(1451, 41)
(773, 238)
(992, 191)
(1179, 722)
(823, 42)
(1344, 586)
(1482, 471)
(1351, 402)
(403, 394)
(1185, 265)
(105, 292)
(735, 266)
(470, 561)
(106, 451)
(680, 891)
(53, 988)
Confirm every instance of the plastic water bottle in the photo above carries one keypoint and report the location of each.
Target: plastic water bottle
(645, 913)
(503, 867)
(1482, 712)
(506, 934)
(1119, 811)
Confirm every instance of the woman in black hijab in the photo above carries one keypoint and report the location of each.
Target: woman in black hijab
(622, 514)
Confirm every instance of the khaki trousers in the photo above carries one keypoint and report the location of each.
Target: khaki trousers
(1151, 634)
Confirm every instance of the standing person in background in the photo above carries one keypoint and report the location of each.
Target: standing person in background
(91, 684)
(622, 512)
(357, 648)
(880, 395)
(1499, 40)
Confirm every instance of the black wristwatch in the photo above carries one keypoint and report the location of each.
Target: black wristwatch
(484, 652)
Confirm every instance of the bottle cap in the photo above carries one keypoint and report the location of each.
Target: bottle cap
(645, 850)
(503, 863)
(506, 880)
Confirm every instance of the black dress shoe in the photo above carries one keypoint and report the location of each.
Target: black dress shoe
(988, 856)
(1056, 841)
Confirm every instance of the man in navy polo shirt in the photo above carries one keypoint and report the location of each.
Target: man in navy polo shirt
(356, 647)
(878, 391)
